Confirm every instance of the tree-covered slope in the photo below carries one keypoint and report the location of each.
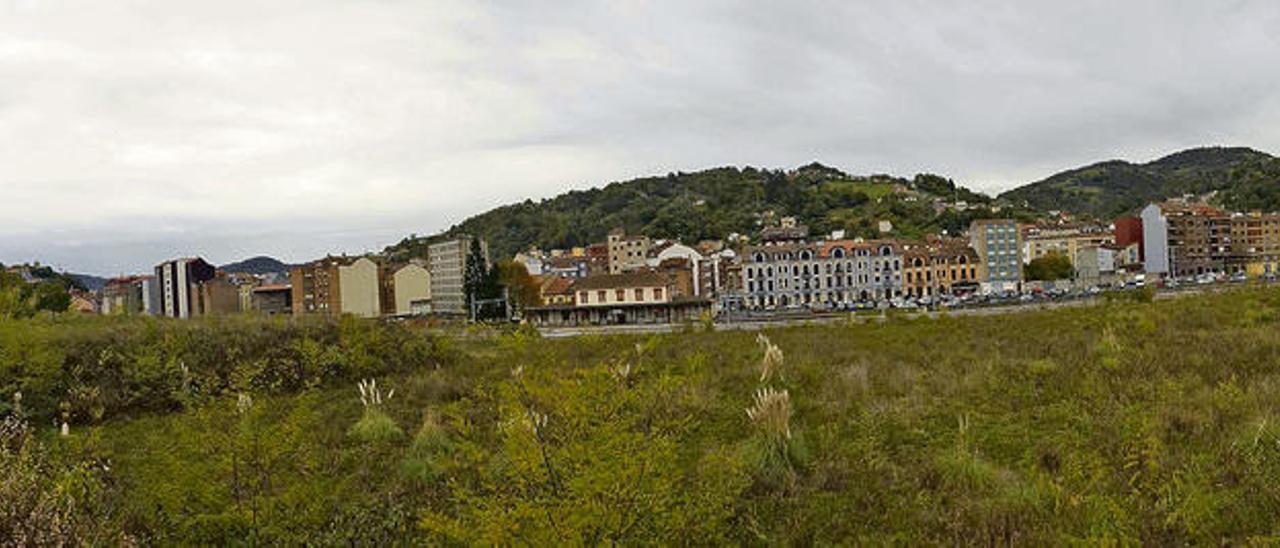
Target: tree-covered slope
(714, 203)
(1244, 178)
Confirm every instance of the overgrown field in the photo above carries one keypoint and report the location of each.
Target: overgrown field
(1155, 422)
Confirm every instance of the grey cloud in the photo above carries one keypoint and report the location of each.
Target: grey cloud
(301, 127)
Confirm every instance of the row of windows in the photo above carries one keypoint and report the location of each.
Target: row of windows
(839, 268)
(927, 276)
(784, 284)
(619, 295)
(808, 255)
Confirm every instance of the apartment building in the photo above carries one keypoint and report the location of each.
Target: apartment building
(998, 243)
(335, 286)
(406, 290)
(786, 272)
(218, 296)
(1183, 239)
(273, 299)
(939, 268)
(627, 252)
(131, 295)
(447, 266)
(1039, 242)
(179, 282)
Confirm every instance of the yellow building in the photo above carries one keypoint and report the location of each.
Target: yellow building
(939, 269)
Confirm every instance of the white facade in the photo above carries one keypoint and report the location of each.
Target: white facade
(820, 275)
(1155, 240)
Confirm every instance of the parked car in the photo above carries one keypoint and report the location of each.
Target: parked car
(1239, 277)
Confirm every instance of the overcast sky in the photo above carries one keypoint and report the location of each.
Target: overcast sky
(132, 131)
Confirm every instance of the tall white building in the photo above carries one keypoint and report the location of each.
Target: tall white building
(1155, 240)
(447, 266)
(177, 280)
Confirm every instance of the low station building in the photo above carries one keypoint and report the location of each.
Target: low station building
(640, 297)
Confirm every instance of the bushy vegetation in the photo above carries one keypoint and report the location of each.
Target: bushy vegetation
(714, 203)
(1124, 423)
(49, 293)
(1244, 179)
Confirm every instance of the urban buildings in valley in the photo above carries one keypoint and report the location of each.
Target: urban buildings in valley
(131, 295)
(787, 271)
(998, 243)
(179, 285)
(447, 265)
(1183, 239)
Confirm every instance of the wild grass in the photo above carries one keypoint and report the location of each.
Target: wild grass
(1124, 423)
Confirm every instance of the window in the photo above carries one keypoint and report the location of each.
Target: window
(584, 297)
(600, 296)
(657, 293)
(639, 294)
(620, 295)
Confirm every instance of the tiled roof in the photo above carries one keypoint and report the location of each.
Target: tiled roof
(620, 281)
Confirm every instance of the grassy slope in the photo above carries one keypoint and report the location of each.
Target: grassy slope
(1153, 422)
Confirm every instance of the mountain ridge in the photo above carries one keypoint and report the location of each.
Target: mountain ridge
(1244, 178)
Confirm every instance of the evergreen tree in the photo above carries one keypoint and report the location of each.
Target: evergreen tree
(475, 274)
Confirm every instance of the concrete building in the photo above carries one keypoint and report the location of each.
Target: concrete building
(1067, 241)
(1155, 240)
(1183, 239)
(131, 295)
(998, 243)
(1128, 230)
(447, 266)
(407, 290)
(178, 282)
(272, 300)
(627, 252)
(336, 286)
(217, 296)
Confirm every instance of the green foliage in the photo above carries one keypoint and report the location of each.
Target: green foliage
(376, 427)
(713, 203)
(19, 299)
(1244, 178)
(1120, 423)
(1052, 266)
(108, 366)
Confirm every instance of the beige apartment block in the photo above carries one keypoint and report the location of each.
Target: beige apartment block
(359, 284)
(627, 252)
(410, 290)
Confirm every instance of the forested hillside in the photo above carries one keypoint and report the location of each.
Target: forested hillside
(1243, 177)
(716, 202)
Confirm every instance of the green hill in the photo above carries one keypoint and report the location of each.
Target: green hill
(1244, 178)
(715, 203)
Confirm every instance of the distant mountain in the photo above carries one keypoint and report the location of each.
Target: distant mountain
(714, 203)
(256, 265)
(88, 281)
(1243, 178)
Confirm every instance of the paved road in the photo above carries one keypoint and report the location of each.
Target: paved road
(758, 324)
